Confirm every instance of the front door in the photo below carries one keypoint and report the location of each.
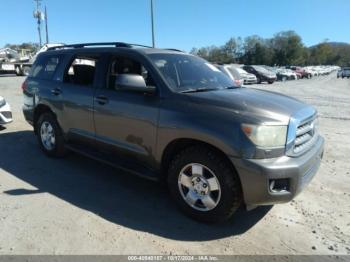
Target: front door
(126, 121)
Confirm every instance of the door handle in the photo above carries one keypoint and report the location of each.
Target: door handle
(56, 91)
(102, 100)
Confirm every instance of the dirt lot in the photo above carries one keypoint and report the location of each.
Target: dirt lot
(77, 206)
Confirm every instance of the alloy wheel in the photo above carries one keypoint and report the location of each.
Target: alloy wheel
(199, 187)
(47, 136)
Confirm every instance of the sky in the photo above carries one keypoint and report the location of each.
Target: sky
(181, 24)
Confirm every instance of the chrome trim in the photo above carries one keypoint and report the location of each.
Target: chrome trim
(301, 117)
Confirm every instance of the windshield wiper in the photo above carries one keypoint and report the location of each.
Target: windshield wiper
(196, 90)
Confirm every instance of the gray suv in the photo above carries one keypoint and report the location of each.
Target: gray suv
(170, 116)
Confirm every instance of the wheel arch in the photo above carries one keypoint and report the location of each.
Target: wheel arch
(38, 111)
(179, 144)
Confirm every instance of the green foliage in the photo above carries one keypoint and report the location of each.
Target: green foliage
(284, 48)
(31, 47)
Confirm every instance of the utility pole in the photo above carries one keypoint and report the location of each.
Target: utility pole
(47, 31)
(37, 15)
(152, 21)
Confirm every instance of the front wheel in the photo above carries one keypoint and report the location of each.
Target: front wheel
(204, 185)
(19, 71)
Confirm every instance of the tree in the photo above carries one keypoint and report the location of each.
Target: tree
(288, 48)
(285, 48)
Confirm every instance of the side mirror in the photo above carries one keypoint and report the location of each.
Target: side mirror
(134, 83)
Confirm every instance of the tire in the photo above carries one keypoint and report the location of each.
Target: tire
(50, 136)
(19, 71)
(26, 70)
(224, 200)
(258, 80)
(270, 82)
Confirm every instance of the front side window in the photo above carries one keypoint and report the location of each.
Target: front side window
(45, 67)
(124, 66)
(81, 71)
(186, 73)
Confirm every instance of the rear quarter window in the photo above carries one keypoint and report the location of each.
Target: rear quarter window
(45, 67)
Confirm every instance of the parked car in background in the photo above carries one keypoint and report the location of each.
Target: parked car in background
(285, 74)
(247, 77)
(282, 74)
(232, 73)
(170, 116)
(303, 73)
(339, 73)
(261, 73)
(311, 71)
(5, 112)
(345, 72)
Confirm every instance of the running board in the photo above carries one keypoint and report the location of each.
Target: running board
(127, 166)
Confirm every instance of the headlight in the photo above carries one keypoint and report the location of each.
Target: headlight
(266, 136)
(2, 102)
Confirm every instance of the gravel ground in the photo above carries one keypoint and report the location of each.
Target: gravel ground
(78, 206)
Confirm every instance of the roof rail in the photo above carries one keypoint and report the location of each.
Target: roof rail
(173, 49)
(82, 45)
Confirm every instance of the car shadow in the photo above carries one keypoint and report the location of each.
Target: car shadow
(7, 75)
(112, 194)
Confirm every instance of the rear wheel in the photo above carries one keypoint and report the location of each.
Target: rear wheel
(50, 136)
(204, 185)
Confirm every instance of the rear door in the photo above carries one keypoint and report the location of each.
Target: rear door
(126, 121)
(77, 91)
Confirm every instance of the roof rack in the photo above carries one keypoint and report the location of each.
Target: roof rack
(114, 44)
(173, 49)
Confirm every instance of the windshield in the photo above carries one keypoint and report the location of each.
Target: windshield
(262, 70)
(234, 72)
(189, 73)
(241, 71)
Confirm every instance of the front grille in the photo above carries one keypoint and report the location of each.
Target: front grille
(306, 136)
(7, 114)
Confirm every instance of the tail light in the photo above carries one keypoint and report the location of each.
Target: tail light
(24, 86)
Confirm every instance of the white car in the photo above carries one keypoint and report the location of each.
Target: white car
(5, 112)
(248, 78)
(232, 73)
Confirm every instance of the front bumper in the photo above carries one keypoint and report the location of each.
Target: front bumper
(5, 114)
(250, 81)
(256, 175)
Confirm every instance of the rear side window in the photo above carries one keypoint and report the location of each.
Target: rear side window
(45, 67)
(81, 71)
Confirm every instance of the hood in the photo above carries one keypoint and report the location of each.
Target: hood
(248, 75)
(254, 105)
